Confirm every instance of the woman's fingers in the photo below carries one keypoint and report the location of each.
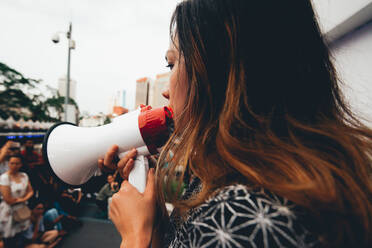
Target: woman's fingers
(110, 155)
(150, 185)
(104, 168)
(9, 144)
(152, 161)
(112, 209)
(125, 164)
(124, 173)
(130, 155)
(137, 217)
(126, 186)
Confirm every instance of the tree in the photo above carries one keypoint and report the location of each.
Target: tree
(20, 98)
(57, 103)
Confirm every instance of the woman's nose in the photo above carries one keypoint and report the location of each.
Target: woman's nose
(165, 94)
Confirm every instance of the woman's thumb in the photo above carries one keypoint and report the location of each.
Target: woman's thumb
(150, 185)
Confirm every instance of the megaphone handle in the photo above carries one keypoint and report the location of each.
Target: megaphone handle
(138, 175)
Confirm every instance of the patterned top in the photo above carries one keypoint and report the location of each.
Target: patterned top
(240, 217)
(8, 226)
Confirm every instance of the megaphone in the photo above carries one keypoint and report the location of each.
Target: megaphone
(72, 152)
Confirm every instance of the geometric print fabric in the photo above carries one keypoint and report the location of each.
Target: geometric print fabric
(240, 217)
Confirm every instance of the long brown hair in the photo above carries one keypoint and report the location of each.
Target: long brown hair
(264, 109)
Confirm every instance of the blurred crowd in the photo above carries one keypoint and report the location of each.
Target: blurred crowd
(36, 208)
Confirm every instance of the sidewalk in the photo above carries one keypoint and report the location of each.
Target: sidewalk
(95, 232)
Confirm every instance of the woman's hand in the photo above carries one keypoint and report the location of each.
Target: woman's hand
(133, 213)
(19, 200)
(4, 151)
(7, 146)
(108, 162)
(124, 165)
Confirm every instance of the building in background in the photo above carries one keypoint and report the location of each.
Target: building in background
(117, 100)
(92, 121)
(72, 111)
(142, 91)
(157, 87)
(122, 98)
(149, 92)
(119, 110)
(62, 82)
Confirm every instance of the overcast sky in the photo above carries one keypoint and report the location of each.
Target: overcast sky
(117, 42)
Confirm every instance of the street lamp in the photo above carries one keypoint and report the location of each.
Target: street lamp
(71, 45)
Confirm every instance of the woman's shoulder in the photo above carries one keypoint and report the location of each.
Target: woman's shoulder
(248, 200)
(252, 198)
(23, 175)
(240, 216)
(4, 178)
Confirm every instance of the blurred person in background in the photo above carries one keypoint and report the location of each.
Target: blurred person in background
(91, 188)
(110, 188)
(69, 219)
(52, 219)
(36, 236)
(276, 157)
(8, 149)
(51, 189)
(33, 164)
(70, 200)
(15, 189)
(15, 149)
(32, 158)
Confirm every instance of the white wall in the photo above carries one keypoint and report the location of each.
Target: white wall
(333, 12)
(353, 60)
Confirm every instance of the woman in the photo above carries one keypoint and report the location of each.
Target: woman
(16, 190)
(10, 148)
(261, 127)
(36, 236)
(110, 188)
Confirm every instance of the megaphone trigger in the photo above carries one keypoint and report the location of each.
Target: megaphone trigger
(138, 175)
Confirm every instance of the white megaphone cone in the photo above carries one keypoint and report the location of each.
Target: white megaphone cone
(72, 152)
